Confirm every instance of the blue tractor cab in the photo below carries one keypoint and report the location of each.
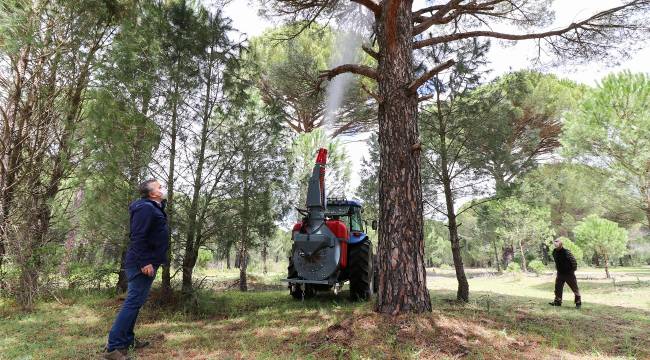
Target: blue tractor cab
(348, 211)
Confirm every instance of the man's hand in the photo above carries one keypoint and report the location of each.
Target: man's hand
(148, 270)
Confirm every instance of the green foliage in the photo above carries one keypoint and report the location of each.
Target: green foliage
(289, 74)
(368, 190)
(523, 226)
(514, 268)
(612, 128)
(602, 237)
(437, 251)
(302, 157)
(517, 119)
(537, 266)
(204, 258)
(84, 275)
(573, 191)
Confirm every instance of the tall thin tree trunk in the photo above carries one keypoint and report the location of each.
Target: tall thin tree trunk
(462, 292)
(243, 265)
(523, 257)
(228, 257)
(169, 209)
(496, 254)
(402, 275)
(193, 241)
(245, 237)
(265, 254)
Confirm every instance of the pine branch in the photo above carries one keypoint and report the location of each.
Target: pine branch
(413, 87)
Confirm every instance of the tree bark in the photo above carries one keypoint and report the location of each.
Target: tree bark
(462, 293)
(402, 277)
(228, 256)
(496, 254)
(265, 253)
(523, 257)
(195, 222)
(607, 266)
(243, 265)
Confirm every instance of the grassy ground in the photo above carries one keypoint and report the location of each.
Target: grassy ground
(507, 318)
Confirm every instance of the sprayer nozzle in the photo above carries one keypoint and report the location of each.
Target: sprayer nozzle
(322, 156)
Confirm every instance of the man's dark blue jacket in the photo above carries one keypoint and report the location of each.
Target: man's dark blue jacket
(149, 235)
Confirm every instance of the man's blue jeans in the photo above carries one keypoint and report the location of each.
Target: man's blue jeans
(121, 335)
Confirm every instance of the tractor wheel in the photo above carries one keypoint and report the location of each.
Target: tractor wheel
(360, 267)
(294, 290)
(375, 273)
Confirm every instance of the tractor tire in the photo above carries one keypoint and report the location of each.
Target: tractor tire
(296, 291)
(375, 273)
(361, 274)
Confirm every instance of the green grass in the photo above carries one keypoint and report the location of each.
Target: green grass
(506, 318)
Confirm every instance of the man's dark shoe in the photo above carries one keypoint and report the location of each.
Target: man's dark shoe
(578, 302)
(117, 354)
(555, 303)
(138, 344)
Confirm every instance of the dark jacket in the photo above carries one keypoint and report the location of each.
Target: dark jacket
(149, 235)
(565, 263)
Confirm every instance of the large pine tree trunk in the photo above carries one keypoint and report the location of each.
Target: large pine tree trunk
(402, 279)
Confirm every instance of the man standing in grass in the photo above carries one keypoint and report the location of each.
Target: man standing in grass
(566, 266)
(147, 251)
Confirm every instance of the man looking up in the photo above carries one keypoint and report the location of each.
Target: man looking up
(566, 266)
(147, 250)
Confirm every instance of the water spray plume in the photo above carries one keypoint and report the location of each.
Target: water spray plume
(349, 39)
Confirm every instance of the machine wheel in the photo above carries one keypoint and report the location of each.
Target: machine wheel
(375, 273)
(296, 290)
(361, 274)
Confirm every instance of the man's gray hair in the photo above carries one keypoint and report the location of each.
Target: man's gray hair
(145, 187)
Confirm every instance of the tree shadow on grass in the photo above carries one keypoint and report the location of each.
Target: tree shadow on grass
(273, 325)
(330, 327)
(610, 330)
(609, 286)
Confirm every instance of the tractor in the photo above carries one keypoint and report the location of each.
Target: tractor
(330, 245)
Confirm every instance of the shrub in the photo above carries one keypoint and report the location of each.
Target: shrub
(513, 267)
(204, 258)
(536, 266)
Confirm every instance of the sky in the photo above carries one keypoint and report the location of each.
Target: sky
(244, 14)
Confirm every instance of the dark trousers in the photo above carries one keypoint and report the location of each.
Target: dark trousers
(121, 335)
(569, 279)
